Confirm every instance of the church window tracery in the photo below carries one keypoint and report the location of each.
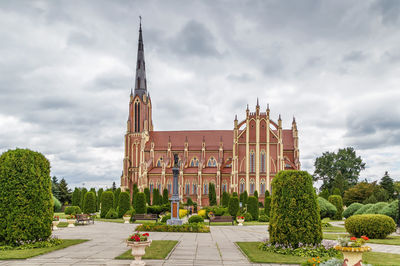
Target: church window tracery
(252, 162)
(241, 185)
(194, 162)
(212, 162)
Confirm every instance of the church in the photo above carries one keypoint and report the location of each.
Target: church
(245, 158)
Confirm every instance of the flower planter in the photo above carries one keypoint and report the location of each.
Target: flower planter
(126, 219)
(71, 222)
(353, 255)
(55, 223)
(240, 221)
(138, 251)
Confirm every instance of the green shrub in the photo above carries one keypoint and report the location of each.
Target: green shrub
(267, 204)
(76, 197)
(252, 207)
(57, 204)
(392, 210)
(155, 209)
(352, 209)
(248, 217)
(233, 207)
(112, 214)
(243, 198)
(124, 203)
(160, 227)
(217, 211)
(165, 218)
(295, 214)
(90, 203)
(141, 203)
(336, 200)
(235, 194)
(147, 195)
(77, 210)
(376, 208)
(99, 193)
(212, 196)
(82, 198)
(263, 218)
(116, 197)
(107, 202)
(370, 200)
(363, 209)
(156, 197)
(196, 219)
(26, 205)
(225, 199)
(324, 194)
(326, 208)
(255, 194)
(370, 225)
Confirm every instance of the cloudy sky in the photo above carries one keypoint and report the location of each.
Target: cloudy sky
(67, 67)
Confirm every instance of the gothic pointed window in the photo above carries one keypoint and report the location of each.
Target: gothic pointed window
(194, 189)
(159, 161)
(212, 162)
(241, 188)
(252, 186)
(262, 163)
(262, 187)
(187, 188)
(159, 187)
(205, 188)
(151, 187)
(252, 162)
(224, 186)
(194, 162)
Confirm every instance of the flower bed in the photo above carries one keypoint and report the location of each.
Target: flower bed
(159, 227)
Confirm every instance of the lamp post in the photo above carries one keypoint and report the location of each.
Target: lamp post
(175, 195)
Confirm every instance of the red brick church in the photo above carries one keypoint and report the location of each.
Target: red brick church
(245, 158)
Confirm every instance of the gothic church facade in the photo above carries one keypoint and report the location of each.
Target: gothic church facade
(243, 159)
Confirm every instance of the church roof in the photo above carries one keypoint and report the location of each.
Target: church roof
(140, 80)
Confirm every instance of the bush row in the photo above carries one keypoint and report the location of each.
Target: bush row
(160, 227)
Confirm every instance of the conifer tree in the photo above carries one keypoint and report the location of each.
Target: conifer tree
(116, 196)
(99, 192)
(165, 198)
(83, 192)
(76, 197)
(147, 194)
(64, 192)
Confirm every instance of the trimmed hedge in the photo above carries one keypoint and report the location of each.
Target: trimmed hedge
(252, 207)
(267, 203)
(233, 207)
(263, 218)
(165, 197)
(336, 200)
(72, 210)
(326, 209)
(107, 202)
(57, 204)
(116, 197)
(147, 195)
(76, 197)
(364, 208)
(26, 205)
(295, 214)
(370, 225)
(352, 209)
(90, 203)
(225, 199)
(99, 193)
(196, 219)
(123, 203)
(392, 210)
(248, 217)
(112, 214)
(165, 218)
(140, 203)
(376, 208)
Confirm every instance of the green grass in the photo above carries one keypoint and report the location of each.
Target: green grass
(158, 250)
(28, 253)
(334, 229)
(62, 224)
(255, 223)
(380, 258)
(61, 215)
(235, 223)
(390, 240)
(118, 220)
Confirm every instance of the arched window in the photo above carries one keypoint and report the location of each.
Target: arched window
(262, 187)
(241, 188)
(252, 186)
(194, 189)
(159, 161)
(212, 162)
(159, 187)
(262, 170)
(224, 187)
(137, 116)
(187, 188)
(151, 187)
(252, 162)
(205, 188)
(169, 187)
(194, 162)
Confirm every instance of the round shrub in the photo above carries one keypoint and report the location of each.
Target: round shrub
(391, 210)
(326, 208)
(248, 217)
(196, 219)
(90, 203)
(233, 207)
(363, 209)
(112, 214)
(252, 207)
(336, 200)
(263, 218)
(107, 202)
(295, 214)
(376, 208)
(370, 225)
(140, 203)
(352, 209)
(57, 204)
(26, 205)
(69, 210)
(165, 218)
(77, 210)
(124, 203)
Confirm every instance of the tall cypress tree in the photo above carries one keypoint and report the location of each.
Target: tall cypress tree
(65, 192)
(116, 197)
(165, 199)
(76, 197)
(99, 192)
(135, 191)
(82, 202)
(212, 197)
(147, 194)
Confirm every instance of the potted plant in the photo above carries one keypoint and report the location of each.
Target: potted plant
(127, 217)
(352, 249)
(240, 220)
(138, 242)
(71, 220)
(56, 221)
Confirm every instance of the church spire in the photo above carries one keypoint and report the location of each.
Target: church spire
(140, 80)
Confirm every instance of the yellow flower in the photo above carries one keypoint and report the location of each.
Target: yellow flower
(314, 259)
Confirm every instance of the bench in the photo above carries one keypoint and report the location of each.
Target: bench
(150, 216)
(220, 219)
(84, 219)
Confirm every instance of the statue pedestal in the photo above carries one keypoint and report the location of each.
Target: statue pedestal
(174, 222)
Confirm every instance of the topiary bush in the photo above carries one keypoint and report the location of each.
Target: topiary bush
(196, 219)
(107, 202)
(295, 216)
(90, 203)
(326, 209)
(336, 200)
(26, 205)
(76, 197)
(155, 209)
(248, 217)
(165, 218)
(112, 214)
(116, 197)
(376, 208)
(140, 203)
(391, 210)
(233, 207)
(225, 199)
(364, 208)
(370, 225)
(72, 210)
(57, 204)
(124, 203)
(352, 209)
(267, 203)
(252, 207)
(147, 195)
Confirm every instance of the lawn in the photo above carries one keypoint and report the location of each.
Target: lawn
(256, 255)
(28, 253)
(230, 223)
(61, 215)
(334, 229)
(158, 250)
(390, 240)
(62, 224)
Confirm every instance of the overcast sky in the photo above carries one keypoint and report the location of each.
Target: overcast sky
(67, 67)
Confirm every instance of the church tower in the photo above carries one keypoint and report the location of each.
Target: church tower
(139, 123)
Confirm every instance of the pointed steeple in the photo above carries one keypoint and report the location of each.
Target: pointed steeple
(140, 80)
